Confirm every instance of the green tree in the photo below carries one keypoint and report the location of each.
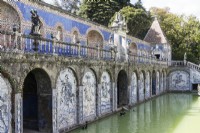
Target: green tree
(71, 6)
(139, 5)
(101, 11)
(182, 32)
(138, 20)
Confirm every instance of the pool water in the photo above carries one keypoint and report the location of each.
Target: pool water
(169, 113)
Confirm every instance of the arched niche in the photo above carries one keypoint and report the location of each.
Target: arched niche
(133, 48)
(94, 38)
(133, 89)
(89, 95)
(59, 33)
(75, 38)
(8, 17)
(105, 93)
(67, 99)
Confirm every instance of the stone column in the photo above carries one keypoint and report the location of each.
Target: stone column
(98, 102)
(18, 113)
(114, 96)
(80, 109)
(54, 111)
(130, 95)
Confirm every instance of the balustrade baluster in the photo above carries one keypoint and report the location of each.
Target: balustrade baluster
(9, 42)
(49, 44)
(4, 41)
(30, 44)
(22, 43)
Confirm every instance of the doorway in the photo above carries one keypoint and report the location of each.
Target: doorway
(154, 83)
(122, 87)
(194, 87)
(37, 101)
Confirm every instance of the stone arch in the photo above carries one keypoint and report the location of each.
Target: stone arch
(147, 85)
(133, 48)
(67, 102)
(141, 86)
(154, 83)
(37, 101)
(95, 38)
(88, 93)
(122, 88)
(133, 88)
(105, 93)
(6, 105)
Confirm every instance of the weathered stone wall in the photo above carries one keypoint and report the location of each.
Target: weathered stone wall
(70, 91)
(82, 90)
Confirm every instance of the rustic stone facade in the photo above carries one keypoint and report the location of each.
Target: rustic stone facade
(66, 83)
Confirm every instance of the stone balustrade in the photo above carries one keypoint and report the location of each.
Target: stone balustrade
(177, 63)
(15, 42)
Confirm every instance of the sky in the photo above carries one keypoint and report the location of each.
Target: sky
(187, 7)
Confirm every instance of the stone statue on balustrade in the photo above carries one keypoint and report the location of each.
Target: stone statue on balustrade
(185, 58)
(119, 22)
(36, 23)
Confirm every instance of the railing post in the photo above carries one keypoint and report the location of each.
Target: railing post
(79, 50)
(4, 42)
(98, 52)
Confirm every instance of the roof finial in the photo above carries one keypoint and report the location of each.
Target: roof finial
(155, 17)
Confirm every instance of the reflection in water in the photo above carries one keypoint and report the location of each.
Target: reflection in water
(160, 115)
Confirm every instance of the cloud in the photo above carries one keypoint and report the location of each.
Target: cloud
(188, 7)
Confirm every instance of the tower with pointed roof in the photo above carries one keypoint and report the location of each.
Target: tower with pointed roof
(160, 45)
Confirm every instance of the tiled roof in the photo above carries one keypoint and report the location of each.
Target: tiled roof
(155, 34)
